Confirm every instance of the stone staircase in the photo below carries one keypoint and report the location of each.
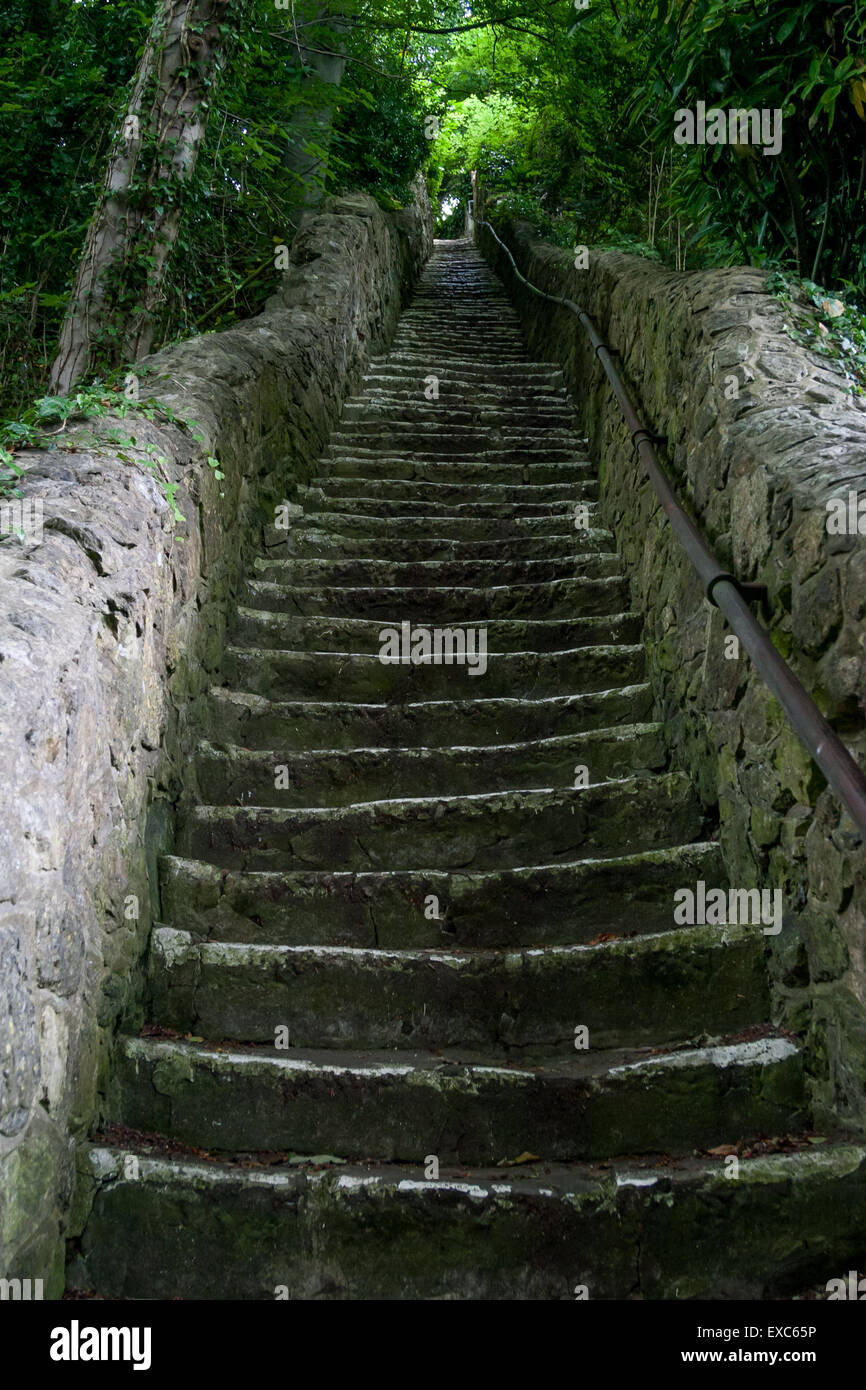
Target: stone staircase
(420, 918)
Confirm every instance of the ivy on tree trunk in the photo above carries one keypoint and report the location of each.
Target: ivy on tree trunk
(118, 289)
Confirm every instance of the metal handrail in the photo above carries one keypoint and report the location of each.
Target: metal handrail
(725, 591)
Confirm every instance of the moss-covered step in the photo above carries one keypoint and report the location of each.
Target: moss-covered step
(310, 543)
(363, 503)
(405, 1105)
(253, 721)
(339, 777)
(262, 628)
(487, 504)
(492, 412)
(542, 904)
(413, 427)
(572, 471)
(403, 385)
(419, 412)
(495, 830)
(451, 451)
(505, 364)
(673, 987)
(514, 446)
(467, 382)
(329, 675)
(559, 598)
(402, 363)
(185, 1228)
(462, 527)
(464, 572)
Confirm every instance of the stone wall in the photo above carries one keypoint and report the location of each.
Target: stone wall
(761, 433)
(111, 632)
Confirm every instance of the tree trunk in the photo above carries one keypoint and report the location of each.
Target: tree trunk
(323, 64)
(118, 288)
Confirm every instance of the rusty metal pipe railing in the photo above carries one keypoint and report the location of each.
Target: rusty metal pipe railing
(724, 590)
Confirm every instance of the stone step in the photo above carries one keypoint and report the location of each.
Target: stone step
(403, 1106)
(418, 364)
(405, 434)
(264, 629)
(477, 319)
(184, 1228)
(444, 347)
(433, 355)
(430, 448)
(676, 987)
(295, 675)
(464, 527)
(486, 831)
(424, 327)
(558, 598)
(436, 513)
(389, 492)
(321, 544)
(253, 721)
(468, 474)
(409, 383)
(372, 573)
(424, 320)
(238, 776)
(418, 353)
(414, 412)
(542, 904)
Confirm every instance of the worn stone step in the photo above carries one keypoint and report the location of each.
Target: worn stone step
(391, 492)
(406, 1105)
(489, 344)
(438, 513)
(675, 987)
(486, 831)
(429, 449)
(309, 543)
(469, 474)
(463, 527)
(328, 777)
(487, 308)
(420, 322)
(435, 349)
(416, 412)
(468, 572)
(516, 380)
(409, 384)
(427, 319)
(435, 355)
(539, 905)
(163, 1228)
(263, 629)
(294, 675)
(405, 436)
(558, 598)
(252, 721)
(406, 398)
(424, 409)
(470, 466)
(474, 370)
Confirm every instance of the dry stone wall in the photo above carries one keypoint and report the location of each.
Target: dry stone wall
(756, 462)
(111, 630)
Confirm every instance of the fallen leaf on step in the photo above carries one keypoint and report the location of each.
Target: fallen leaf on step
(521, 1158)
